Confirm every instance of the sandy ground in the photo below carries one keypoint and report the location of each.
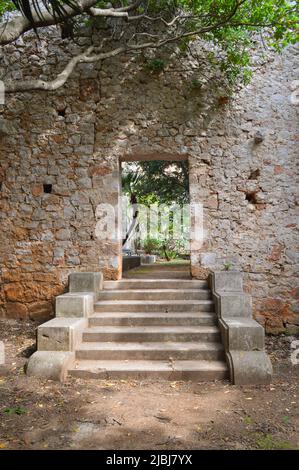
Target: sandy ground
(101, 414)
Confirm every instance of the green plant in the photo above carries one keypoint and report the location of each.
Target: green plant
(151, 245)
(17, 411)
(156, 65)
(228, 265)
(268, 442)
(247, 420)
(171, 249)
(230, 27)
(195, 84)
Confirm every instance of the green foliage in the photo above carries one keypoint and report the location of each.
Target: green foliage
(155, 65)
(247, 420)
(268, 442)
(167, 248)
(151, 246)
(286, 419)
(227, 266)
(17, 411)
(230, 26)
(157, 181)
(195, 84)
(6, 5)
(172, 249)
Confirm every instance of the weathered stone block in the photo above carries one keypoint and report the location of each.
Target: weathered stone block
(60, 334)
(243, 334)
(52, 365)
(233, 304)
(86, 282)
(249, 367)
(74, 305)
(227, 281)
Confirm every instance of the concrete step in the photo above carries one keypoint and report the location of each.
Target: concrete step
(165, 267)
(157, 274)
(154, 284)
(152, 333)
(151, 319)
(155, 294)
(199, 350)
(154, 306)
(180, 370)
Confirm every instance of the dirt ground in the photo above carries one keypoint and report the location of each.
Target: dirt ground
(155, 415)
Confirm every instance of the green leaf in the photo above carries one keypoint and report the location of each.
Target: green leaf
(18, 411)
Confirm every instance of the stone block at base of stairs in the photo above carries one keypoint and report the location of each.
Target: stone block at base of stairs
(60, 334)
(52, 365)
(74, 305)
(86, 282)
(249, 367)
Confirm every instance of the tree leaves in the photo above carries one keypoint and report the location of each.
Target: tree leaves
(157, 181)
(230, 26)
(18, 411)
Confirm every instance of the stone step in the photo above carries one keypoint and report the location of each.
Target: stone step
(154, 306)
(158, 275)
(165, 267)
(155, 294)
(156, 318)
(200, 350)
(151, 333)
(127, 284)
(180, 370)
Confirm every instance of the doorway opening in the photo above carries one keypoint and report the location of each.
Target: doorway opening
(155, 218)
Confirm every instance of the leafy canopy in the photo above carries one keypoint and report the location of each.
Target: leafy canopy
(231, 26)
(157, 181)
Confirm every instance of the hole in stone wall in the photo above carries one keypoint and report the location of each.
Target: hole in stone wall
(254, 174)
(0, 186)
(251, 197)
(61, 112)
(47, 188)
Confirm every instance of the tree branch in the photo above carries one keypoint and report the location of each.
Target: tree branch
(13, 29)
(21, 86)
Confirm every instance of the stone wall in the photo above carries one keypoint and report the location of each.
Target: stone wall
(249, 162)
(70, 142)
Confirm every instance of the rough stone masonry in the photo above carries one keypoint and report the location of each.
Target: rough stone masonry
(60, 154)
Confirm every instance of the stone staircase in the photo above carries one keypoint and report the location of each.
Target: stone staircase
(152, 328)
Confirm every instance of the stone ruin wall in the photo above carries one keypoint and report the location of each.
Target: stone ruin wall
(73, 139)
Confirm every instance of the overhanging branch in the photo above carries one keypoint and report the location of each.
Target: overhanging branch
(11, 30)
